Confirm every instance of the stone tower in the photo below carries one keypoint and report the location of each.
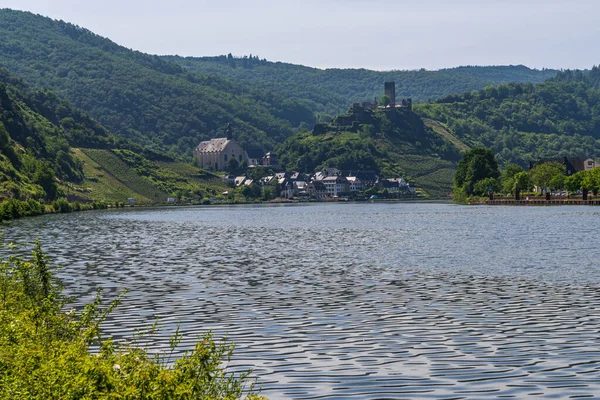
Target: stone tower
(390, 91)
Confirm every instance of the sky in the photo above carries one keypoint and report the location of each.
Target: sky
(373, 34)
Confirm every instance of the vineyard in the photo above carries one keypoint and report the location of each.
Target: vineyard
(433, 175)
(115, 180)
(182, 181)
(116, 175)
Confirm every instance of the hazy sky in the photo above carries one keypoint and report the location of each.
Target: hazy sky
(375, 34)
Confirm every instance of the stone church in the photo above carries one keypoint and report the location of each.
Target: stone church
(214, 154)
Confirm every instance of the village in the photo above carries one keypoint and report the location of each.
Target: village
(329, 184)
(226, 154)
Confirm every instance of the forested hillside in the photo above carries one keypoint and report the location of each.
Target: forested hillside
(37, 129)
(331, 91)
(50, 150)
(393, 143)
(139, 96)
(525, 122)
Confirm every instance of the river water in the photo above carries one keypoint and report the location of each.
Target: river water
(362, 301)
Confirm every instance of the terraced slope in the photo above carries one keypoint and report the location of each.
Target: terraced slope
(119, 174)
(113, 178)
(101, 185)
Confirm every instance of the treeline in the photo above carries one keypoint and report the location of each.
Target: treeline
(141, 97)
(591, 78)
(13, 208)
(329, 92)
(478, 175)
(525, 122)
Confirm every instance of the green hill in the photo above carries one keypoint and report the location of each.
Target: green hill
(138, 96)
(50, 150)
(394, 143)
(526, 122)
(331, 90)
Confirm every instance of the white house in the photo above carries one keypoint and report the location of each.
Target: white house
(336, 185)
(355, 184)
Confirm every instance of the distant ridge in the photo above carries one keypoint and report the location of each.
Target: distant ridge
(331, 91)
(142, 97)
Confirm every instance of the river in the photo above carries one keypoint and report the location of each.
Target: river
(361, 301)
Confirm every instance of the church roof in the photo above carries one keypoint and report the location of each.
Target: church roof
(217, 145)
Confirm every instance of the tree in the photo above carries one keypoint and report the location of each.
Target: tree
(252, 191)
(384, 100)
(508, 177)
(522, 182)
(548, 175)
(574, 182)
(484, 186)
(591, 181)
(44, 176)
(232, 165)
(476, 165)
(257, 173)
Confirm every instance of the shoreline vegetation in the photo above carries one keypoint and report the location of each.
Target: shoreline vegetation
(567, 181)
(11, 209)
(45, 348)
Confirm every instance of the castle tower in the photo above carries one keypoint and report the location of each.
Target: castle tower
(390, 91)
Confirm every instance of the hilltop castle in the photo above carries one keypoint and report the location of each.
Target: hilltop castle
(361, 112)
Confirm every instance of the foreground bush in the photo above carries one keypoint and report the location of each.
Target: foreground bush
(44, 351)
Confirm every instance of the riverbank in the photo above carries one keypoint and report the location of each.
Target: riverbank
(534, 200)
(11, 209)
(542, 202)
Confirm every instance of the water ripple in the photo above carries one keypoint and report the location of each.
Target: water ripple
(355, 301)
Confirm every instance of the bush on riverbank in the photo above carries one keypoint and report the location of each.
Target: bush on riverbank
(13, 208)
(44, 351)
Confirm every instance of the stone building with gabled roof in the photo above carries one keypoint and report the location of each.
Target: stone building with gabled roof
(215, 154)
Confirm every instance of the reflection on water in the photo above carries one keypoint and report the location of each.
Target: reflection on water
(356, 300)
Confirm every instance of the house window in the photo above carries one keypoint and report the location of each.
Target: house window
(225, 157)
(240, 158)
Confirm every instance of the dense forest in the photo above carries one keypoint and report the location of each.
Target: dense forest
(142, 97)
(329, 92)
(522, 122)
(37, 130)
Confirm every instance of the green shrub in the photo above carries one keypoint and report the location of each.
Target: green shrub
(44, 351)
(62, 206)
(99, 205)
(13, 208)
(76, 206)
